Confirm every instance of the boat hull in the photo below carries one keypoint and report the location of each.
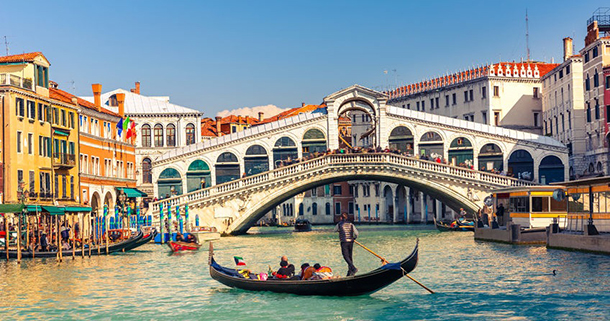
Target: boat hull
(183, 246)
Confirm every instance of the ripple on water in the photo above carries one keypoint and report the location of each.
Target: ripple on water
(472, 279)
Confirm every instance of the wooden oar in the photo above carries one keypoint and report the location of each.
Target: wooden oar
(386, 261)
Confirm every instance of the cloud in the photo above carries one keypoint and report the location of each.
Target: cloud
(269, 110)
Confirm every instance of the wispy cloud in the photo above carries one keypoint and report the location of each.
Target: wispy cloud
(269, 110)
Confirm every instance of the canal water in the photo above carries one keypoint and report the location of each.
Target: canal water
(472, 280)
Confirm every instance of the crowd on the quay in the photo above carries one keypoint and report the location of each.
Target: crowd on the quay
(44, 239)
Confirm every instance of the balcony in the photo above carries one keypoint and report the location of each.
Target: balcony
(14, 80)
(64, 160)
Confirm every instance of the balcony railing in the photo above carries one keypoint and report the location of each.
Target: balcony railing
(64, 159)
(14, 80)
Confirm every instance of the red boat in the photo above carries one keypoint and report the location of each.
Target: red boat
(183, 246)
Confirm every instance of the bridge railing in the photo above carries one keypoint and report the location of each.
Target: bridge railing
(337, 159)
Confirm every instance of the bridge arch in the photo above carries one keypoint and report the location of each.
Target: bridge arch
(352, 104)
(551, 170)
(169, 183)
(285, 148)
(431, 142)
(402, 139)
(461, 151)
(256, 160)
(227, 168)
(491, 157)
(438, 190)
(198, 176)
(521, 164)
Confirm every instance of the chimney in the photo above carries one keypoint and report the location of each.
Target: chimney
(260, 116)
(218, 132)
(303, 104)
(567, 48)
(97, 92)
(137, 91)
(120, 98)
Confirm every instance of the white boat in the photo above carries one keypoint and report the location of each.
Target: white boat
(204, 233)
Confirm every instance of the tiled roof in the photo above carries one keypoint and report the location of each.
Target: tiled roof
(136, 104)
(66, 97)
(208, 127)
(293, 112)
(233, 119)
(27, 57)
(524, 70)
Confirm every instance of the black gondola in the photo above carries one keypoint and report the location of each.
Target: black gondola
(145, 239)
(459, 226)
(345, 286)
(302, 226)
(111, 249)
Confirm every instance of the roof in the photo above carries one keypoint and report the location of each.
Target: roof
(208, 127)
(233, 119)
(66, 97)
(293, 112)
(136, 104)
(26, 57)
(527, 70)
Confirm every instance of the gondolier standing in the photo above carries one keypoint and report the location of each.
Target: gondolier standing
(347, 235)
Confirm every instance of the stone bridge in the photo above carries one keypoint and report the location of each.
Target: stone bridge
(235, 206)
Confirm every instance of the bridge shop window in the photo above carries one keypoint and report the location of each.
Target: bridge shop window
(169, 183)
(314, 141)
(491, 158)
(256, 160)
(521, 165)
(401, 139)
(461, 152)
(551, 170)
(198, 176)
(284, 152)
(227, 168)
(431, 145)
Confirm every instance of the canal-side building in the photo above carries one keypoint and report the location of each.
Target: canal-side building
(40, 136)
(596, 56)
(161, 127)
(505, 94)
(564, 115)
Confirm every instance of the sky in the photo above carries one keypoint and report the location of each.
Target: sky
(216, 56)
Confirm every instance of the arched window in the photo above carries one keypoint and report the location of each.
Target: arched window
(171, 135)
(551, 170)
(314, 208)
(401, 139)
(158, 131)
(227, 168)
(314, 141)
(190, 134)
(169, 183)
(146, 170)
(146, 139)
(285, 149)
(327, 208)
(256, 160)
(301, 211)
(198, 176)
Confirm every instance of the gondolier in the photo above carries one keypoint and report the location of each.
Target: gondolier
(347, 235)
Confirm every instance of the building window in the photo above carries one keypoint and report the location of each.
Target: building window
(71, 187)
(588, 113)
(337, 208)
(190, 134)
(484, 116)
(563, 124)
(607, 82)
(56, 117)
(471, 95)
(20, 176)
(454, 98)
(596, 79)
(587, 83)
(47, 114)
(314, 208)
(19, 107)
(536, 92)
(146, 140)
(496, 91)
(63, 118)
(594, 52)
(556, 125)
(569, 120)
(19, 142)
(31, 109)
(596, 109)
(417, 106)
(350, 207)
(431, 103)
(567, 70)
(446, 100)
(146, 171)
(32, 182)
(483, 92)
(158, 135)
(170, 134)
(40, 112)
(586, 57)
(423, 106)
(336, 189)
(437, 105)
(536, 121)
(465, 95)
(64, 185)
(408, 106)
(327, 208)
(497, 118)
(30, 143)
(72, 120)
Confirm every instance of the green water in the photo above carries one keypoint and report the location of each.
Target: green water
(472, 280)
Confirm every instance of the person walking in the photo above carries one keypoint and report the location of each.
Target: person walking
(347, 235)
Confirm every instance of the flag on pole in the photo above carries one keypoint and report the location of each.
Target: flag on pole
(119, 127)
(239, 261)
(126, 123)
(133, 129)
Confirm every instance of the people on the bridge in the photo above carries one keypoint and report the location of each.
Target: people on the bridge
(347, 235)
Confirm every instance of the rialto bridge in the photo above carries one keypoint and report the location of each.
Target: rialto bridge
(231, 181)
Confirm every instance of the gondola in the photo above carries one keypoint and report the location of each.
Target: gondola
(183, 246)
(145, 239)
(302, 226)
(457, 227)
(111, 249)
(345, 286)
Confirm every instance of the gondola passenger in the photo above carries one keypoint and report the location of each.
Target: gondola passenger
(286, 270)
(307, 271)
(322, 272)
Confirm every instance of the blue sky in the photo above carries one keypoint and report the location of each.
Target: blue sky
(218, 55)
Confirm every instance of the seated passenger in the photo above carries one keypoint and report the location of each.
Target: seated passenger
(191, 239)
(307, 271)
(179, 237)
(322, 272)
(286, 270)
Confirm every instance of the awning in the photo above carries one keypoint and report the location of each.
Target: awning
(54, 210)
(78, 209)
(11, 208)
(33, 208)
(132, 192)
(61, 132)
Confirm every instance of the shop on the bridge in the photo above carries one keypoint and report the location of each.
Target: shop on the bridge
(551, 170)
(431, 144)
(198, 176)
(256, 160)
(461, 152)
(314, 141)
(284, 149)
(401, 139)
(521, 165)
(227, 168)
(169, 183)
(491, 158)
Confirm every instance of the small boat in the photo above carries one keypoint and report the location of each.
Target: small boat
(115, 247)
(345, 286)
(302, 226)
(204, 234)
(148, 236)
(183, 246)
(454, 226)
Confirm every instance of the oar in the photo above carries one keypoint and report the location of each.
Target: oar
(386, 261)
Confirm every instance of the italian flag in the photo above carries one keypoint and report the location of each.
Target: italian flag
(239, 261)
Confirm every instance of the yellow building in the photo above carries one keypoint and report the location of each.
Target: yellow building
(39, 137)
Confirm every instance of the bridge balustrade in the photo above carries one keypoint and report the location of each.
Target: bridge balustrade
(339, 159)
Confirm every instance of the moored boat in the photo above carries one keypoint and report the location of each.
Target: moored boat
(204, 234)
(183, 246)
(345, 286)
(456, 225)
(302, 226)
